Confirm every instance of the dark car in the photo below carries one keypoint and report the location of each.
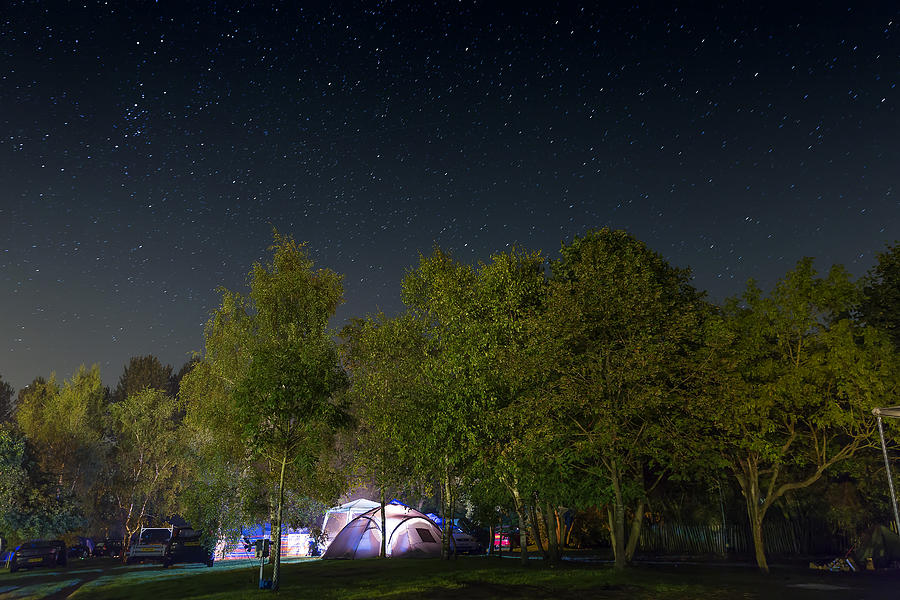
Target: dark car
(38, 553)
(79, 551)
(108, 547)
(186, 546)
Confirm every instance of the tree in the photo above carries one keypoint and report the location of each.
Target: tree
(275, 376)
(509, 298)
(144, 372)
(30, 506)
(880, 306)
(619, 328)
(146, 479)
(791, 386)
(7, 405)
(383, 356)
(65, 424)
(184, 370)
(452, 385)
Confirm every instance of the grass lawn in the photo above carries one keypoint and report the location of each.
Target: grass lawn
(475, 578)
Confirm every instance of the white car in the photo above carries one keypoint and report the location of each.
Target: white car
(465, 544)
(152, 544)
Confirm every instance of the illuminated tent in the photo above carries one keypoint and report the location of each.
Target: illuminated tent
(337, 517)
(409, 534)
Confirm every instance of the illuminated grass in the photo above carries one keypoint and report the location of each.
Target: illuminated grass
(477, 579)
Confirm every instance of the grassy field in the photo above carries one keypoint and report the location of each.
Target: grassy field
(479, 578)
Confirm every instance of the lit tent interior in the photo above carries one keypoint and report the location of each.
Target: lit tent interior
(337, 517)
(409, 533)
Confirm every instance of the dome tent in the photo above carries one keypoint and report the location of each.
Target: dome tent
(409, 533)
(337, 517)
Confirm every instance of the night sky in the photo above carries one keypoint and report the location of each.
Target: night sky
(148, 149)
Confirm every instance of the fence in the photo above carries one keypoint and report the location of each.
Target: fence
(787, 538)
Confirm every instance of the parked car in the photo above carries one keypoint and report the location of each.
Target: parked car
(108, 547)
(186, 547)
(78, 551)
(151, 544)
(38, 553)
(463, 543)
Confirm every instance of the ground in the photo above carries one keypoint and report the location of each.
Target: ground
(472, 578)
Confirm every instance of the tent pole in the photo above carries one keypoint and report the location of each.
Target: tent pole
(887, 467)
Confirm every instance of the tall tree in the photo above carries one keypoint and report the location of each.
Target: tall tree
(65, 424)
(880, 306)
(508, 299)
(144, 372)
(620, 325)
(383, 356)
(146, 479)
(276, 375)
(7, 402)
(791, 387)
(30, 505)
(439, 295)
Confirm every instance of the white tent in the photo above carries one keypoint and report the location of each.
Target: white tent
(408, 533)
(337, 517)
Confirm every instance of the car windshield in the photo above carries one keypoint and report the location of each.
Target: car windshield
(187, 533)
(155, 536)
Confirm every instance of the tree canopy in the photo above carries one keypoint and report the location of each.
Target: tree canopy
(268, 381)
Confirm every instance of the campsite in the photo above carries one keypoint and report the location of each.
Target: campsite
(554, 449)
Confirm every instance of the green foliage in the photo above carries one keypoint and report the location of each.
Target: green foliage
(65, 426)
(144, 372)
(7, 405)
(30, 506)
(146, 480)
(794, 380)
(284, 402)
(263, 397)
(880, 306)
(383, 357)
(13, 468)
(620, 326)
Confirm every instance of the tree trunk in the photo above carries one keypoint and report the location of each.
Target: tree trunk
(383, 527)
(523, 528)
(756, 514)
(634, 535)
(552, 535)
(446, 529)
(617, 524)
(451, 508)
(559, 528)
(569, 529)
(500, 541)
(276, 528)
(490, 549)
(535, 529)
(748, 478)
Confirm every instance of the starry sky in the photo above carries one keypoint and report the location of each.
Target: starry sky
(147, 149)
